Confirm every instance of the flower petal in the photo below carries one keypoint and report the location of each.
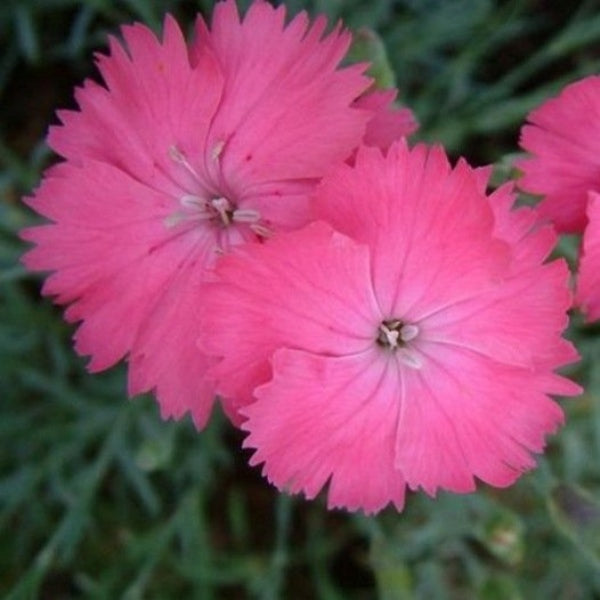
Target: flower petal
(517, 323)
(588, 281)
(155, 101)
(388, 123)
(531, 242)
(165, 357)
(429, 226)
(286, 112)
(329, 418)
(465, 415)
(122, 270)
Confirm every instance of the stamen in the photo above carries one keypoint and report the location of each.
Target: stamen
(176, 155)
(246, 215)
(179, 157)
(217, 149)
(174, 219)
(196, 208)
(409, 358)
(408, 332)
(261, 230)
(192, 202)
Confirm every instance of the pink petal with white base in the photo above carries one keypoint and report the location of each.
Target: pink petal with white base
(444, 251)
(292, 119)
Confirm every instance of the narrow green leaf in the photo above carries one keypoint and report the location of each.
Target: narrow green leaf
(26, 33)
(576, 512)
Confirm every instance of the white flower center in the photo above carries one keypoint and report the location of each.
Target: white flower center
(218, 209)
(396, 335)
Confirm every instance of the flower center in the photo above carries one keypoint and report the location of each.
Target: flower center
(217, 209)
(395, 335)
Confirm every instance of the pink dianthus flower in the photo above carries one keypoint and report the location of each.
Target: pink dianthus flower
(409, 338)
(563, 136)
(186, 151)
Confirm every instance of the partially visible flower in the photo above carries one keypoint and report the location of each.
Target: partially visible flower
(563, 135)
(389, 123)
(409, 341)
(187, 151)
(588, 280)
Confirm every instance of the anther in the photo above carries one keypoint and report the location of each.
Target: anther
(408, 332)
(261, 230)
(192, 202)
(409, 358)
(217, 149)
(174, 220)
(179, 157)
(246, 215)
(176, 155)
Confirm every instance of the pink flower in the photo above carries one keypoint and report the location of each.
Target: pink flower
(409, 341)
(588, 281)
(564, 138)
(186, 152)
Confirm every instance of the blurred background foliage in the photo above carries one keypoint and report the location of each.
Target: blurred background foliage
(101, 499)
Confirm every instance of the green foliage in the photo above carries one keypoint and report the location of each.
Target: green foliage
(99, 498)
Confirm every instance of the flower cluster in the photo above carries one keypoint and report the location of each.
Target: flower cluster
(243, 217)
